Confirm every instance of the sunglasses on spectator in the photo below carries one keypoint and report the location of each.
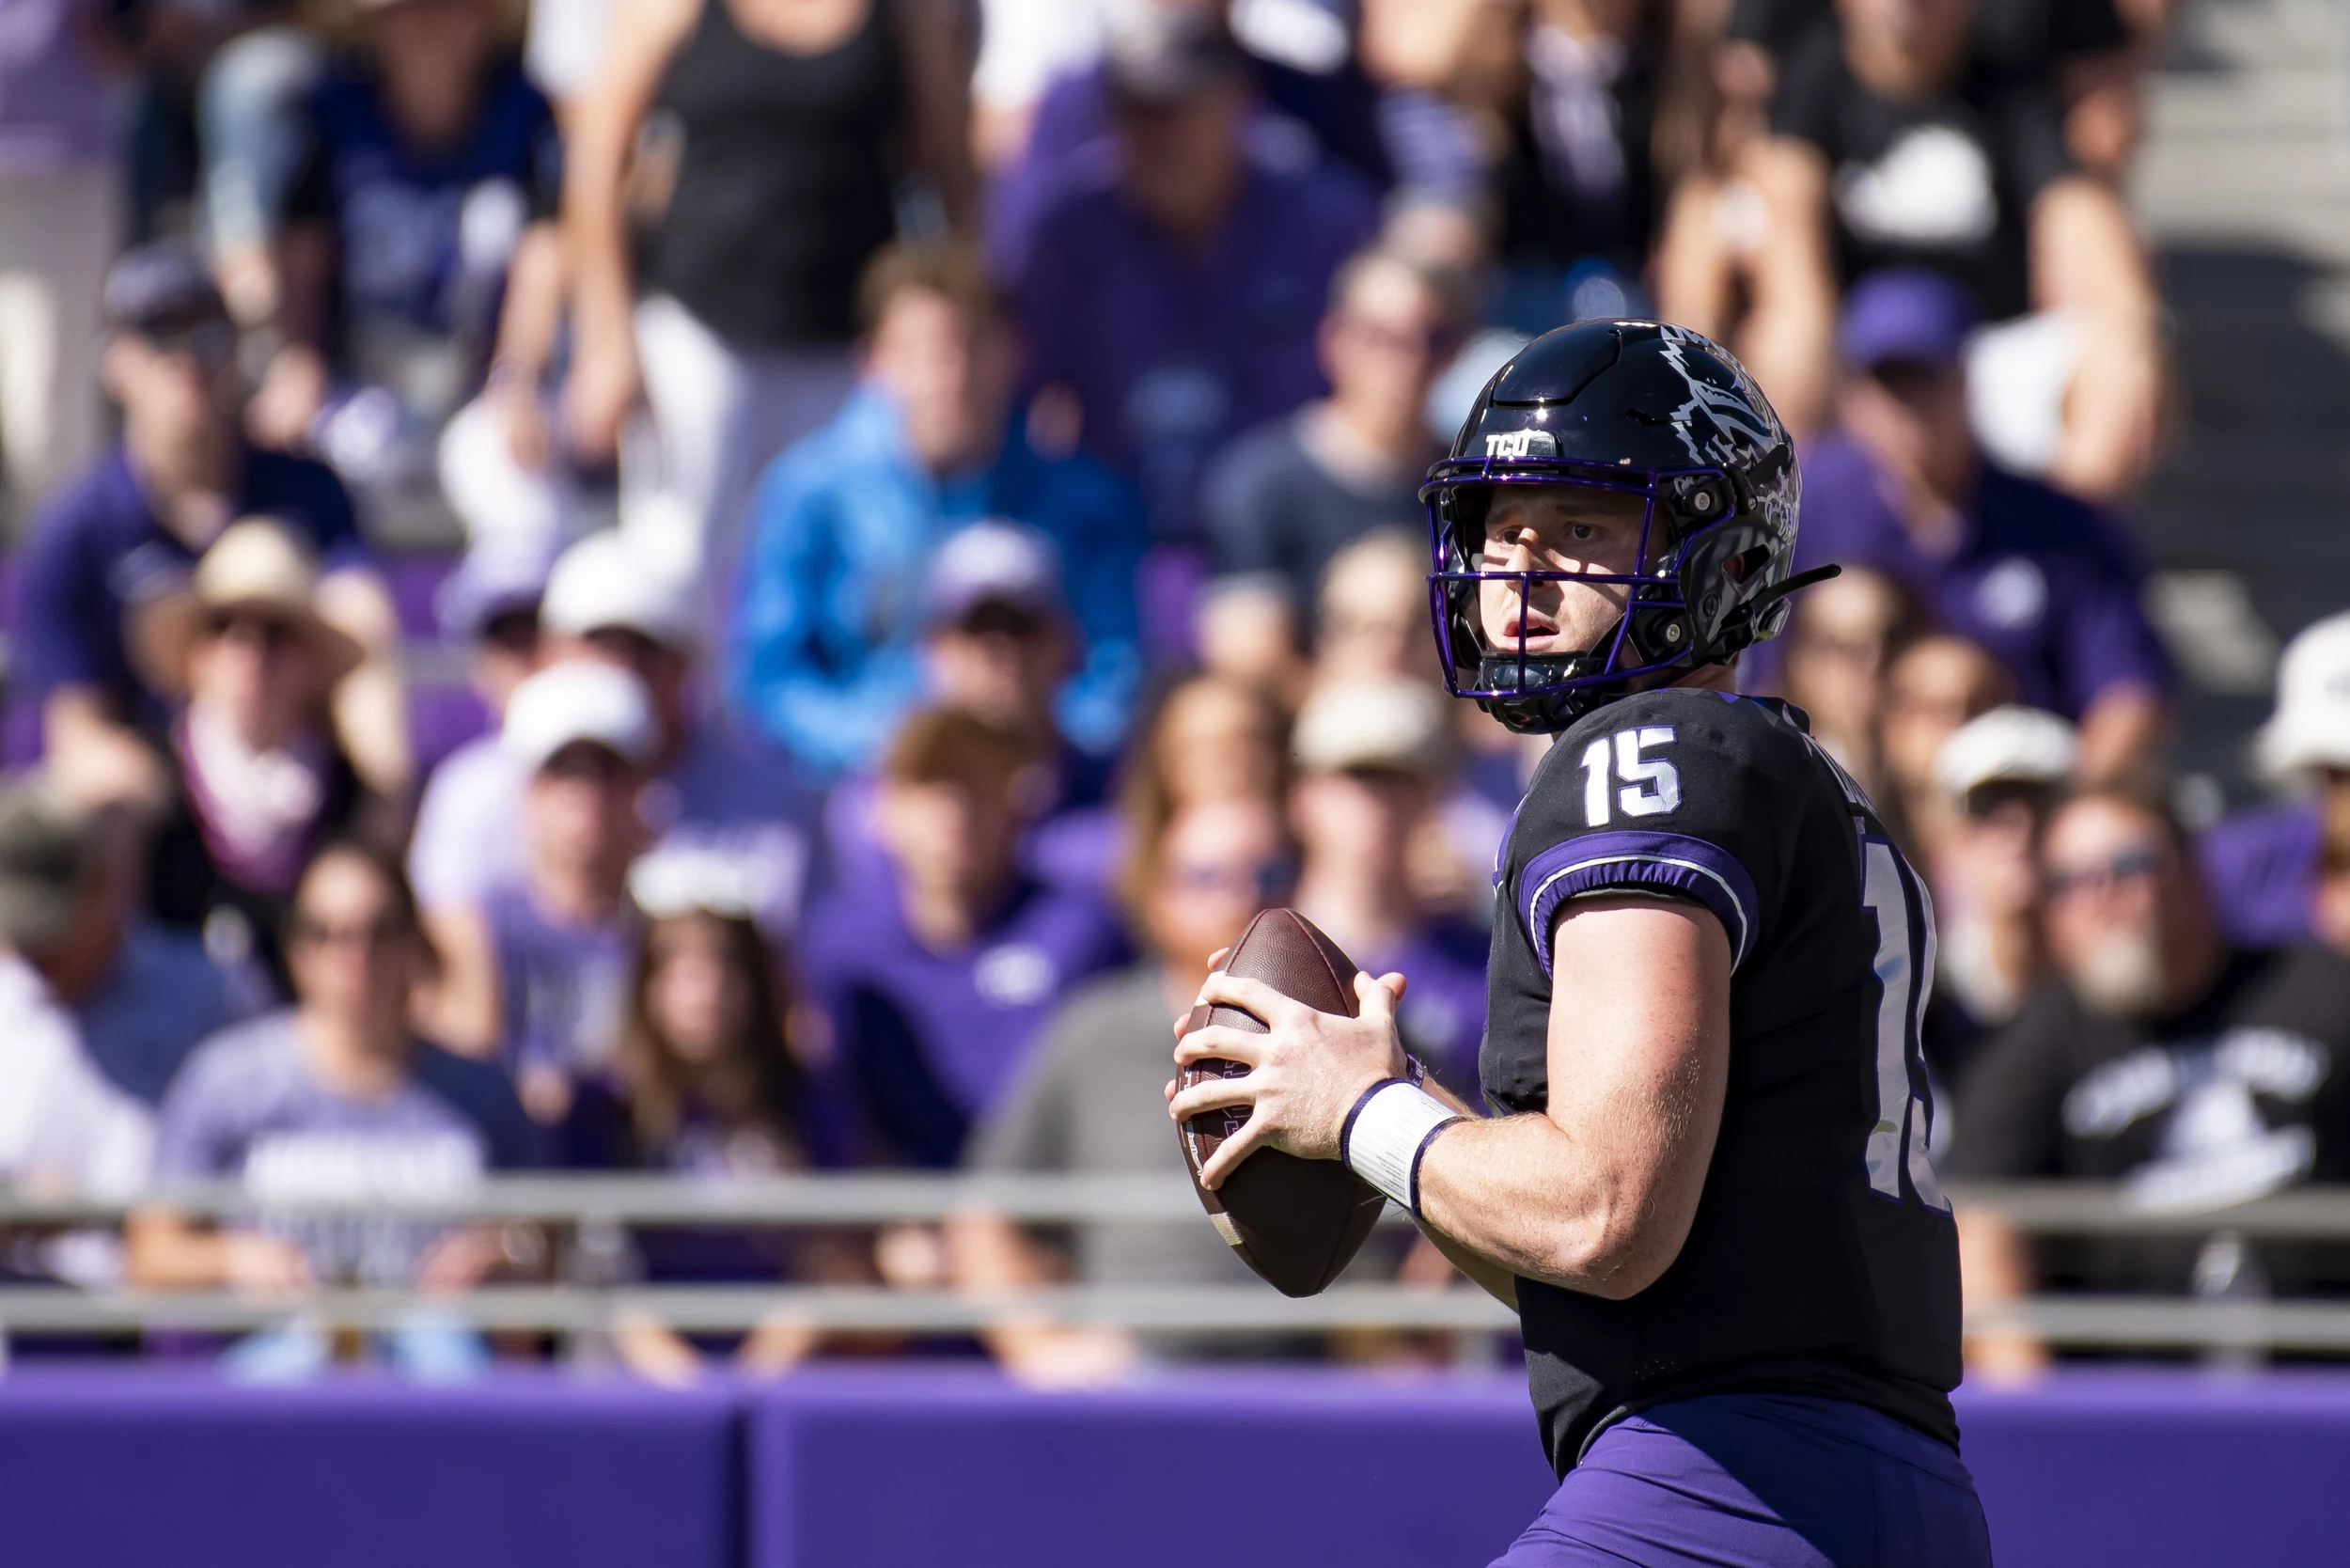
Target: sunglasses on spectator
(210, 344)
(625, 645)
(1258, 882)
(2131, 865)
(1002, 619)
(516, 631)
(1426, 343)
(1909, 378)
(1985, 801)
(586, 761)
(274, 633)
(377, 935)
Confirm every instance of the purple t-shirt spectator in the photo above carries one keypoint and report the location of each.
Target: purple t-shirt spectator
(723, 795)
(2261, 866)
(598, 1135)
(2038, 578)
(1073, 844)
(1171, 353)
(559, 985)
(97, 547)
(930, 1040)
(246, 1107)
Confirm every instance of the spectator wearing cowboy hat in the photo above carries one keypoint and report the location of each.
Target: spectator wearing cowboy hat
(259, 778)
(135, 524)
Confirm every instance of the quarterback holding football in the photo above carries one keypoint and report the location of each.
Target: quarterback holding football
(1705, 1188)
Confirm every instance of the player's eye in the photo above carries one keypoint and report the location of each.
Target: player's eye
(1582, 533)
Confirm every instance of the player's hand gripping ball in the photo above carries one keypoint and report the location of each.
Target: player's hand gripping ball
(1258, 1109)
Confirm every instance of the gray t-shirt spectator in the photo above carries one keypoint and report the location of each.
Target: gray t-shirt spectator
(1275, 514)
(1090, 1102)
(245, 1108)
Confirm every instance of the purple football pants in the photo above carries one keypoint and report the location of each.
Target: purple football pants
(1761, 1480)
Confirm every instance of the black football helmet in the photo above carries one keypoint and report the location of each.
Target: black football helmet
(1639, 408)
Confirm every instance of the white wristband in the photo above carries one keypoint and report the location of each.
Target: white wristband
(1386, 1134)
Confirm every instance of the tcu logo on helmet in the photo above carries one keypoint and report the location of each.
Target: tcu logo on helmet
(1521, 443)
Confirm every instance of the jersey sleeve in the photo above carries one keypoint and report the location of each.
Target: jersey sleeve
(1680, 795)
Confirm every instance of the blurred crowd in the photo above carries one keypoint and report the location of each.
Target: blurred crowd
(746, 586)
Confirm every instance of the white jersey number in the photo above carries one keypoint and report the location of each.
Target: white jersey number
(1905, 966)
(1652, 785)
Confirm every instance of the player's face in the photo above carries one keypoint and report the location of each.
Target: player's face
(1556, 528)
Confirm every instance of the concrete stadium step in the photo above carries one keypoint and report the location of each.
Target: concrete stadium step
(2244, 189)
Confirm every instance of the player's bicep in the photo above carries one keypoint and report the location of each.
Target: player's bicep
(1640, 1050)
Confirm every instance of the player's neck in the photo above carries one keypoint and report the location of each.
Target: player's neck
(1706, 678)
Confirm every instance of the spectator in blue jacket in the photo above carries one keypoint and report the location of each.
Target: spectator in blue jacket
(827, 651)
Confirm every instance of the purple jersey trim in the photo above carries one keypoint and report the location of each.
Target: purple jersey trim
(1662, 862)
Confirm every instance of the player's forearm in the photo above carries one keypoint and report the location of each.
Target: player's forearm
(1520, 1194)
(1597, 1193)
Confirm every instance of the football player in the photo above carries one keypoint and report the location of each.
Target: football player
(1706, 1190)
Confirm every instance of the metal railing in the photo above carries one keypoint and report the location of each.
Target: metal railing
(584, 1204)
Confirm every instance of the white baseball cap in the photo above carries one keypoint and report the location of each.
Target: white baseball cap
(1384, 721)
(2014, 745)
(579, 701)
(2310, 727)
(604, 582)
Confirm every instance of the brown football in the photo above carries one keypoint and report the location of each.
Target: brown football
(1296, 1222)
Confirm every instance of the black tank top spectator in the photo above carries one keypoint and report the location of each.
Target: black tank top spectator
(790, 135)
(1909, 146)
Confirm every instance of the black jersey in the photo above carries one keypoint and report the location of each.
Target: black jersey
(1822, 1258)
